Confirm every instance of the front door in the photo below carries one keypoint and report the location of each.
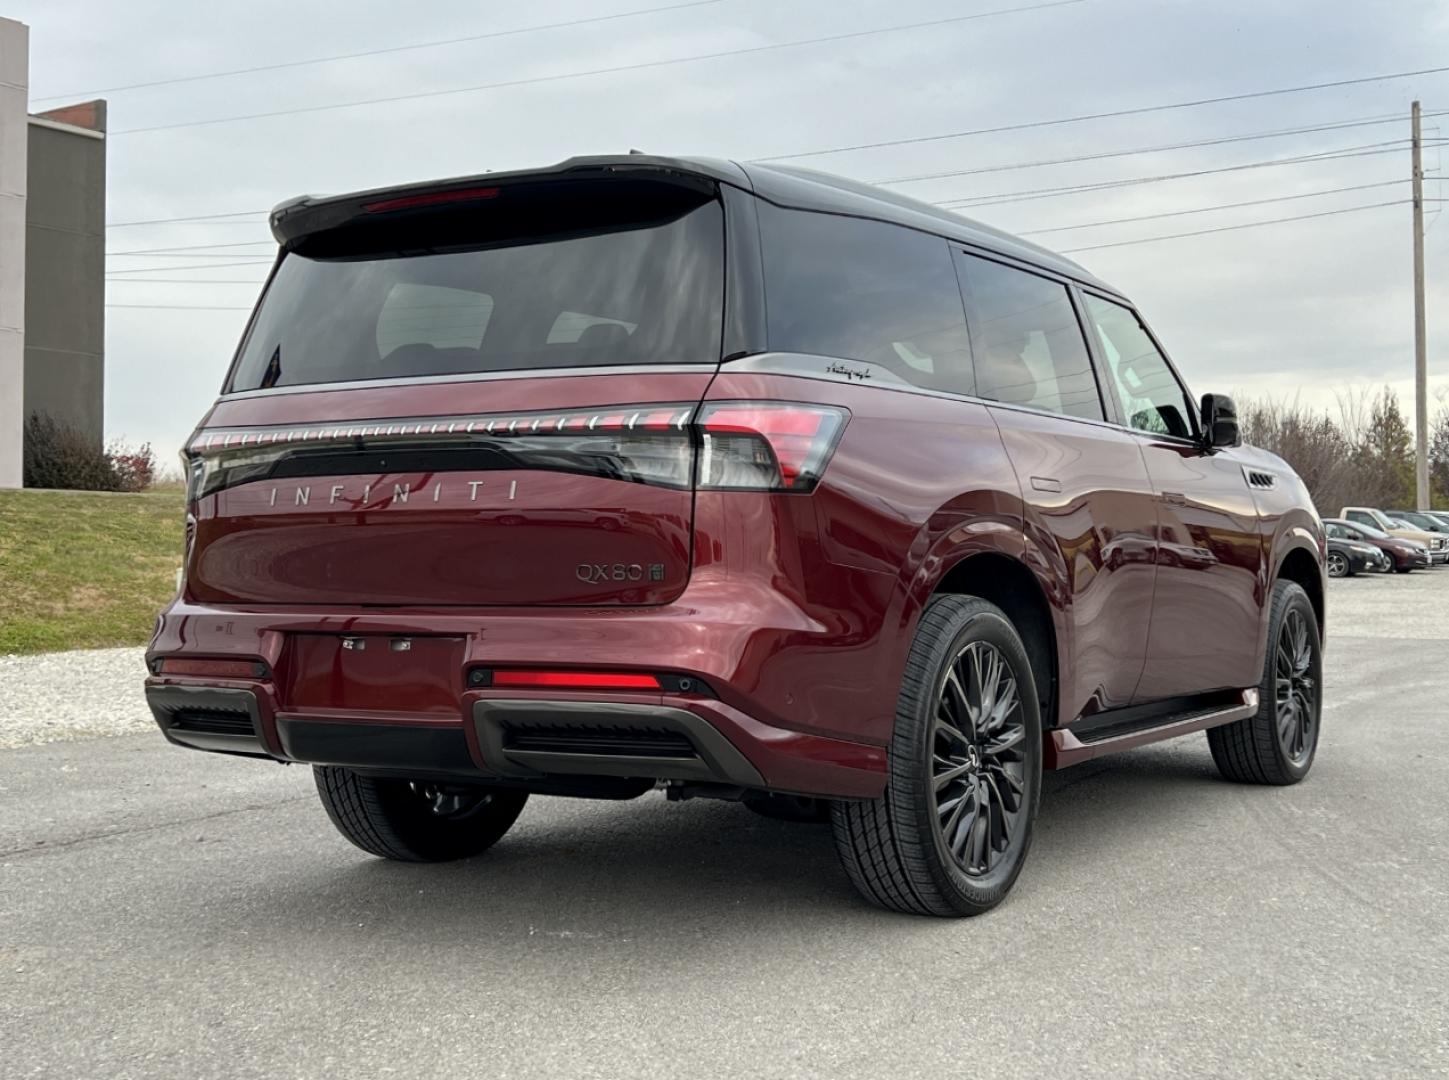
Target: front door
(1087, 501)
(1207, 602)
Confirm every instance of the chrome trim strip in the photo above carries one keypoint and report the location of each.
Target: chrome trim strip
(809, 366)
(704, 367)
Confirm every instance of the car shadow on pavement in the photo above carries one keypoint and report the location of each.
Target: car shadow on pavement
(575, 870)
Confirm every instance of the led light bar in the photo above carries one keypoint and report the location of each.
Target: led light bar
(615, 418)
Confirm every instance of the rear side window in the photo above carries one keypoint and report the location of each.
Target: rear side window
(865, 290)
(1029, 344)
(630, 292)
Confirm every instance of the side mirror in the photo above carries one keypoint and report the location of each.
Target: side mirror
(1219, 421)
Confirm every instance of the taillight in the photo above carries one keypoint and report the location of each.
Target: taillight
(214, 669)
(577, 680)
(766, 446)
(743, 446)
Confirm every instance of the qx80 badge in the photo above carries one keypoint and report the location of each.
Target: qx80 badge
(600, 573)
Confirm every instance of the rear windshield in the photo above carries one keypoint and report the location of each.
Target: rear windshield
(626, 293)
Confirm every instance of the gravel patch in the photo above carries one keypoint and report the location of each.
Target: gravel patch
(72, 695)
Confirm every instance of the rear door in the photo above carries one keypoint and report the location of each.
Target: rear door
(1207, 607)
(480, 401)
(1088, 501)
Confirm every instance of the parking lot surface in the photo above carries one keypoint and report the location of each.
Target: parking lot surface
(168, 913)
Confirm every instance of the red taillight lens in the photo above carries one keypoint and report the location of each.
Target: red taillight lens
(215, 669)
(577, 680)
(766, 446)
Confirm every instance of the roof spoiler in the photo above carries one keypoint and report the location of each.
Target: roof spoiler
(306, 215)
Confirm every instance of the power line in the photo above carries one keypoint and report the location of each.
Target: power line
(378, 52)
(198, 247)
(184, 253)
(198, 217)
(163, 269)
(1103, 155)
(1209, 209)
(948, 203)
(1002, 198)
(1080, 118)
(749, 50)
(176, 307)
(1233, 228)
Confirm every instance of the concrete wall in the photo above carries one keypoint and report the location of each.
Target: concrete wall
(14, 146)
(65, 269)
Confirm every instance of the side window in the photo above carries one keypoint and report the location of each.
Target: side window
(432, 317)
(865, 290)
(1335, 531)
(1029, 344)
(1151, 397)
(1359, 517)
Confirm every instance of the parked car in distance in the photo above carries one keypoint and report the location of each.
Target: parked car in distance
(1404, 555)
(1422, 520)
(731, 481)
(1347, 556)
(1436, 544)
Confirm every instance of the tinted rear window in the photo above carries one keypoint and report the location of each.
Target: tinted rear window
(626, 293)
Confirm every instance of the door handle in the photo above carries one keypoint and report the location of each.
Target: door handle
(1046, 483)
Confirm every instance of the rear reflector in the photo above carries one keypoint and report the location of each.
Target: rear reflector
(592, 680)
(215, 669)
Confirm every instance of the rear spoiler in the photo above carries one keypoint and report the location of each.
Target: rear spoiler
(298, 218)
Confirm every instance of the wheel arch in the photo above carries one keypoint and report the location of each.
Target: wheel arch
(1302, 564)
(1011, 585)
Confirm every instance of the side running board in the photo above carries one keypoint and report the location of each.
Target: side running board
(1122, 729)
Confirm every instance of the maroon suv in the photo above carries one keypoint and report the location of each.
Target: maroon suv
(740, 482)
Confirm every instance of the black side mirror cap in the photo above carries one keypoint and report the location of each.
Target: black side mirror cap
(1219, 421)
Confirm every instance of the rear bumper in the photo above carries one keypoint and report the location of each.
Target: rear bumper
(796, 699)
(564, 744)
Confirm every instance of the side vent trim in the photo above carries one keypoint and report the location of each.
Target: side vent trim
(1259, 478)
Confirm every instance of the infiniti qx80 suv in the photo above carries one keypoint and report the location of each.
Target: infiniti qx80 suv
(742, 482)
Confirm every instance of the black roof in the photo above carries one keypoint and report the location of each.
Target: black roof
(785, 185)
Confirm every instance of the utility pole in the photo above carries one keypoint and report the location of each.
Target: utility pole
(1421, 344)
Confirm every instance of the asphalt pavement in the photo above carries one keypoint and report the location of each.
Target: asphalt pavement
(173, 914)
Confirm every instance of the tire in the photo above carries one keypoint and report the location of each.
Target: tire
(789, 807)
(1260, 750)
(1338, 564)
(1402, 569)
(895, 849)
(416, 822)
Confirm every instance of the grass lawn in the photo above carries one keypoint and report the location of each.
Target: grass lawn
(84, 570)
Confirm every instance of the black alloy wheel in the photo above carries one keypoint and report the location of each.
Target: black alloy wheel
(978, 768)
(1296, 688)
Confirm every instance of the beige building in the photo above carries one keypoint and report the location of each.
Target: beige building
(52, 259)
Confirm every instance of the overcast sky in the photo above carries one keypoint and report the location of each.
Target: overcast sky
(1307, 307)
